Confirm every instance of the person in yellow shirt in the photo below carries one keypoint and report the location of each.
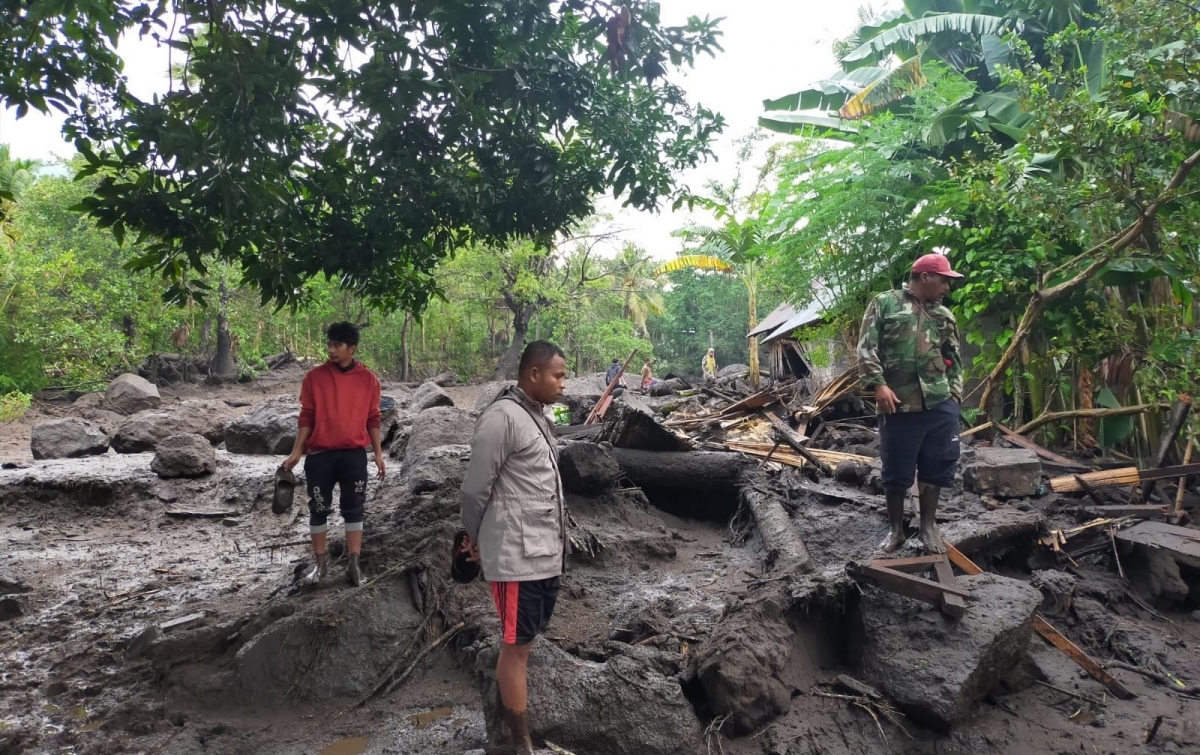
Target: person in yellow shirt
(708, 365)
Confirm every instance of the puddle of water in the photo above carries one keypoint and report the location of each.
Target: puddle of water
(347, 746)
(423, 720)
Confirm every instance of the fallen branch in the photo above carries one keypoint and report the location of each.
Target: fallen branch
(1069, 693)
(1104, 251)
(1049, 417)
(385, 684)
(1163, 679)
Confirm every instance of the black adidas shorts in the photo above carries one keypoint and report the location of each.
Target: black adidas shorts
(525, 608)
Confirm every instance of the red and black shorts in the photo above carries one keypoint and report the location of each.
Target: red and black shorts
(525, 608)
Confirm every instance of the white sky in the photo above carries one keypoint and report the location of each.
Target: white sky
(772, 48)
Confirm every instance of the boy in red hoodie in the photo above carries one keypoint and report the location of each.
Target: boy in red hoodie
(339, 418)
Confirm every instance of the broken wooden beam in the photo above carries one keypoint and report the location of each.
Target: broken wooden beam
(780, 431)
(904, 584)
(182, 622)
(952, 605)
(684, 471)
(1122, 476)
(1082, 659)
(913, 565)
(1138, 511)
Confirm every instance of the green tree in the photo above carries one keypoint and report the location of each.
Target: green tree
(638, 287)
(364, 141)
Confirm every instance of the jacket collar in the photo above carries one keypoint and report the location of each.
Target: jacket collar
(523, 398)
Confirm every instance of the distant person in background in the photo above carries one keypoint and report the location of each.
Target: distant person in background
(647, 377)
(339, 419)
(614, 373)
(708, 365)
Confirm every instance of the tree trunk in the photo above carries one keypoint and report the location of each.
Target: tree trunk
(752, 290)
(130, 330)
(781, 537)
(223, 367)
(507, 369)
(404, 356)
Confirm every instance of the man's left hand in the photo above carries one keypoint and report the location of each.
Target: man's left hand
(380, 464)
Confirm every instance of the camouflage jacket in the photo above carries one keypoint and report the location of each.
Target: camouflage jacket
(912, 348)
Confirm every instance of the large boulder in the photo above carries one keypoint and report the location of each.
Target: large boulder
(740, 665)
(936, 668)
(489, 391)
(67, 438)
(143, 431)
(572, 703)
(429, 469)
(429, 395)
(130, 394)
(1003, 472)
(446, 379)
(732, 370)
(269, 428)
(588, 469)
(440, 426)
(186, 455)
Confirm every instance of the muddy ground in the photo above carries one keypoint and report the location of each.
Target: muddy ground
(273, 668)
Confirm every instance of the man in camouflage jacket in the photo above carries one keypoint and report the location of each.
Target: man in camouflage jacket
(908, 355)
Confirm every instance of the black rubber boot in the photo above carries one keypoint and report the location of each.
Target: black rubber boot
(498, 741)
(931, 536)
(353, 573)
(895, 507)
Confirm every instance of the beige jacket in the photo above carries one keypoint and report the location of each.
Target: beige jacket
(512, 497)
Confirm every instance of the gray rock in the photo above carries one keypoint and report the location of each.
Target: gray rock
(429, 395)
(107, 421)
(1004, 472)
(741, 663)
(430, 469)
(142, 432)
(935, 668)
(269, 428)
(731, 370)
(130, 394)
(440, 426)
(489, 391)
(588, 469)
(10, 583)
(446, 379)
(572, 704)
(1058, 590)
(187, 455)
(67, 438)
(850, 472)
(139, 644)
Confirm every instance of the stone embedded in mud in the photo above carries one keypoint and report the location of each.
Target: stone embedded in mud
(740, 663)
(186, 455)
(11, 608)
(430, 469)
(620, 706)
(130, 394)
(446, 379)
(935, 668)
(142, 432)
(10, 583)
(440, 426)
(67, 438)
(269, 428)
(588, 469)
(1058, 589)
(1004, 472)
(850, 472)
(429, 395)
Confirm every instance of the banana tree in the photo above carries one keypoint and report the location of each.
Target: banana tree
(738, 249)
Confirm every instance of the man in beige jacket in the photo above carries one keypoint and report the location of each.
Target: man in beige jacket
(512, 510)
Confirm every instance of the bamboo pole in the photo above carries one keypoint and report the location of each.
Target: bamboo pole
(1187, 458)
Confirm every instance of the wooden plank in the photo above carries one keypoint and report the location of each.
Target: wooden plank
(960, 560)
(1027, 444)
(1082, 659)
(914, 565)
(952, 605)
(1182, 542)
(202, 511)
(182, 622)
(974, 430)
(753, 401)
(906, 584)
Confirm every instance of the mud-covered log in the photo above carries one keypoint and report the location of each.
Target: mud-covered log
(682, 471)
(785, 549)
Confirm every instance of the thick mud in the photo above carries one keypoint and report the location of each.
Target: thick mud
(100, 557)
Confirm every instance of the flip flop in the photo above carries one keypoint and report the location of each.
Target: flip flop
(285, 488)
(462, 571)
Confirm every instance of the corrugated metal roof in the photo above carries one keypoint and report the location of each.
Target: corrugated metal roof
(778, 316)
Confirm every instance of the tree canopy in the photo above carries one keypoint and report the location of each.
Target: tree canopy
(361, 141)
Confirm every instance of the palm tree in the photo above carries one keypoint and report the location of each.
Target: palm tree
(735, 248)
(15, 177)
(639, 290)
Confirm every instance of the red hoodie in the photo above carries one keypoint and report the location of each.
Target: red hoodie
(340, 407)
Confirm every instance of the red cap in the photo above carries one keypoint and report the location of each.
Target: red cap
(935, 263)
